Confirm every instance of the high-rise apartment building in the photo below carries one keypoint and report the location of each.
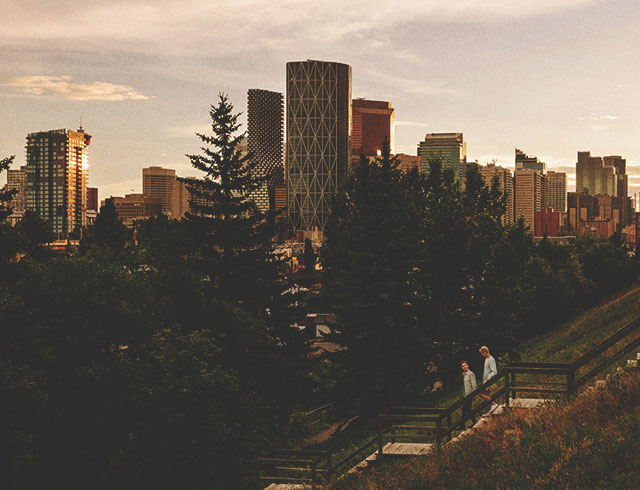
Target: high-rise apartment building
(372, 123)
(593, 177)
(528, 194)
(265, 140)
(449, 149)
(505, 181)
(524, 161)
(318, 139)
(620, 165)
(557, 191)
(17, 181)
(56, 182)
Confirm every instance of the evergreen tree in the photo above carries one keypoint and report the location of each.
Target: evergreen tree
(368, 259)
(235, 250)
(107, 232)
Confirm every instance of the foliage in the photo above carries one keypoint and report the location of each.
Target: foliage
(548, 448)
(5, 195)
(34, 233)
(368, 258)
(107, 232)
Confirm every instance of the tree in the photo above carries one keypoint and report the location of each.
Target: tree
(107, 233)
(8, 237)
(34, 233)
(5, 195)
(236, 252)
(368, 259)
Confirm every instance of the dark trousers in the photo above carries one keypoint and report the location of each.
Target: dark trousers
(466, 412)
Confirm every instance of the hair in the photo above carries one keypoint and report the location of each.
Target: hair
(484, 349)
(464, 362)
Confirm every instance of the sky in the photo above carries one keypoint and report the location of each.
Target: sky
(549, 77)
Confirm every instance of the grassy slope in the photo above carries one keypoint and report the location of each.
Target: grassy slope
(575, 337)
(592, 441)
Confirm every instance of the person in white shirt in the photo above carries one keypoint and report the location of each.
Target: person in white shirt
(490, 371)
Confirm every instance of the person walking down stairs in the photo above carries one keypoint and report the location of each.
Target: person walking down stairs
(490, 370)
(468, 385)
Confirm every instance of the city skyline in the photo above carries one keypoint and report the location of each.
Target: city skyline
(549, 79)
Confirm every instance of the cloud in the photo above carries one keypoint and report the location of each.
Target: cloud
(605, 117)
(412, 123)
(62, 86)
(600, 127)
(333, 21)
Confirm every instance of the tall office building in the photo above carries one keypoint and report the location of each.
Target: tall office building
(158, 183)
(505, 181)
(318, 139)
(448, 148)
(594, 177)
(372, 123)
(17, 181)
(528, 194)
(557, 187)
(265, 134)
(524, 161)
(56, 185)
(620, 165)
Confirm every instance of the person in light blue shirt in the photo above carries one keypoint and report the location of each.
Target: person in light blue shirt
(490, 371)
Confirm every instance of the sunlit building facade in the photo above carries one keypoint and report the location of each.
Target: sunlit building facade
(449, 149)
(56, 180)
(17, 182)
(318, 148)
(557, 186)
(372, 123)
(505, 183)
(594, 177)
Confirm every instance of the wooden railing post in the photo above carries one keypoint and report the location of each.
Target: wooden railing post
(438, 433)
(449, 428)
(507, 384)
(313, 474)
(379, 438)
(571, 380)
(329, 469)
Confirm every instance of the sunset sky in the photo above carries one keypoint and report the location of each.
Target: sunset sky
(550, 77)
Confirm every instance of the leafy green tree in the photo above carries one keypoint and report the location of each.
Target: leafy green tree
(34, 233)
(368, 258)
(607, 263)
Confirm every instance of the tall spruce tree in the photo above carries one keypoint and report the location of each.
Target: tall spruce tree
(235, 243)
(368, 258)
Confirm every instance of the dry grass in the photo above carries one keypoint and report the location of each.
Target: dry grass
(592, 441)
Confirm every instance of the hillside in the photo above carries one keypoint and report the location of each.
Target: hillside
(551, 447)
(592, 441)
(577, 336)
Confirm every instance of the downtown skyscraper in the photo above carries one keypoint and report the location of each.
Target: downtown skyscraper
(56, 180)
(265, 141)
(449, 149)
(318, 139)
(372, 123)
